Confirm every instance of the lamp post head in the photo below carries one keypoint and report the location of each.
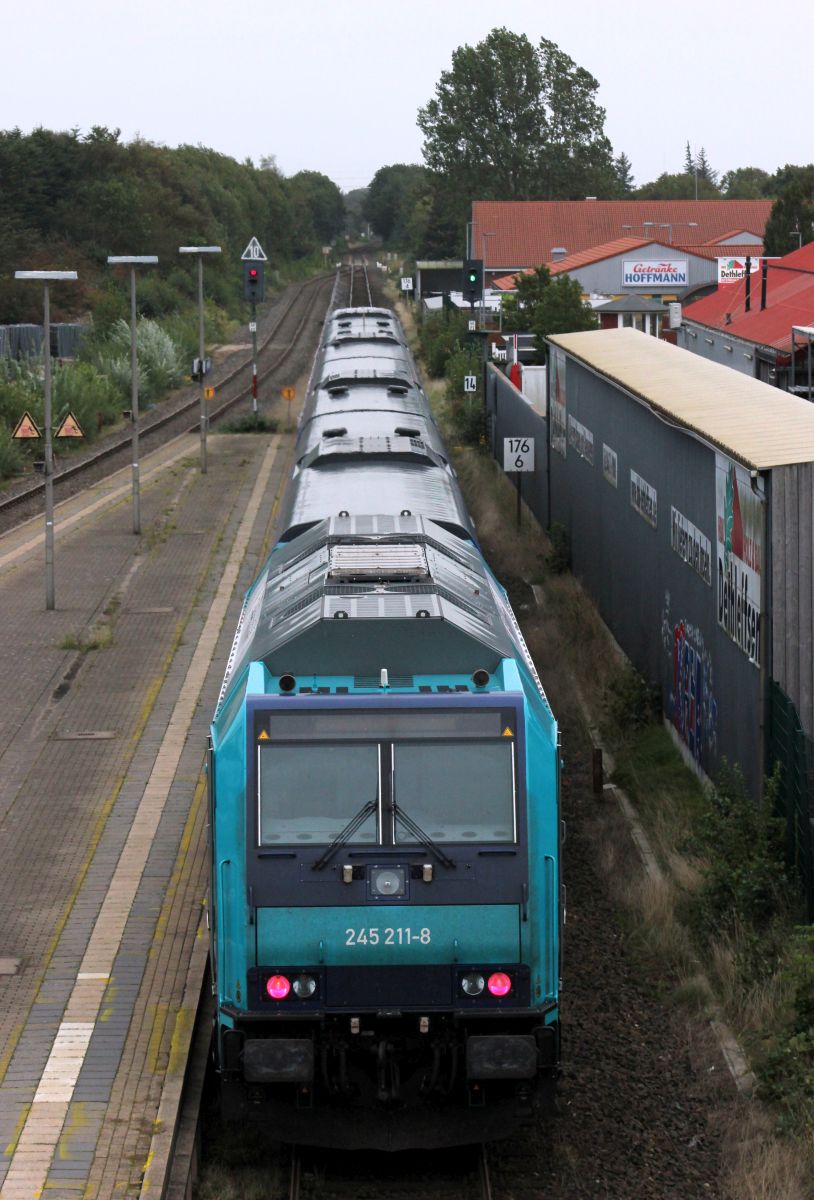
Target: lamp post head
(45, 276)
(115, 260)
(199, 249)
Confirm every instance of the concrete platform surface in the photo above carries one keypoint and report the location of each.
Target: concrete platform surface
(102, 803)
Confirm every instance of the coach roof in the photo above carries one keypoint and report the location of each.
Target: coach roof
(753, 422)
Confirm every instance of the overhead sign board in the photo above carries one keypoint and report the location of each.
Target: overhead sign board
(254, 251)
(656, 272)
(26, 427)
(733, 269)
(518, 454)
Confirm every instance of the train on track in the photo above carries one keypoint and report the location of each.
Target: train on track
(384, 795)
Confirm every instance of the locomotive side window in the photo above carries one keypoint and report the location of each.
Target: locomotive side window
(309, 793)
(456, 792)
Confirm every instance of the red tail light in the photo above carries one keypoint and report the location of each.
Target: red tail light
(278, 987)
(499, 984)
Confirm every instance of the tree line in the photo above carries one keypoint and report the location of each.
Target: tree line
(511, 120)
(69, 200)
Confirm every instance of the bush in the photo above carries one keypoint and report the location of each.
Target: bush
(632, 703)
(92, 398)
(466, 408)
(440, 336)
(11, 458)
(746, 883)
(159, 360)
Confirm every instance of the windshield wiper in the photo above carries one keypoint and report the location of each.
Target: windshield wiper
(344, 835)
(420, 836)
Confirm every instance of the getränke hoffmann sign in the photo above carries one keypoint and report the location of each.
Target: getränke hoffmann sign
(656, 272)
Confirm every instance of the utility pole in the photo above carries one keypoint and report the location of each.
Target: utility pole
(45, 278)
(201, 251)
(132, 260)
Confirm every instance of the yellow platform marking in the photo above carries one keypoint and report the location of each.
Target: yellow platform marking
(35, 1148)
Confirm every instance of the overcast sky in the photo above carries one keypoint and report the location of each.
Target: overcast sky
(334, 86)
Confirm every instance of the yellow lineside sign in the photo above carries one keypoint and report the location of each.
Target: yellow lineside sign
(288, 393)
(70, 428)
(26, 427)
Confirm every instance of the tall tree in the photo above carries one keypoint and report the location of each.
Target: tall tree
(704, 169)
(515, 121)
(624, 173)
(746, 183)
(689, 161)
(791, 222)
(391, 197)
(323, 200)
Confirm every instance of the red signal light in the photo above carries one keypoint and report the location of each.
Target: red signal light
(278, 987)
(252, 272)
(499, 984)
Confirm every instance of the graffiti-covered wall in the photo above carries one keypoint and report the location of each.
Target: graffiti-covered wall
(668, 537)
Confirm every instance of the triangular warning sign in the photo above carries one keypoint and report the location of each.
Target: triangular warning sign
(254, 251)
(70, 428)
(264, 737)
(26, 427)
(507, 732)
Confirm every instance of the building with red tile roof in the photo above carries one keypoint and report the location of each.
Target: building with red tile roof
(512, 235)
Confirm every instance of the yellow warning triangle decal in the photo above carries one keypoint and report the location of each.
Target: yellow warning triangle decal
(26, 427)
(70, 427)
(507, 732)
(264, 737)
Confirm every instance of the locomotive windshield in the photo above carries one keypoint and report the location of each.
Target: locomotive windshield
(456, 787)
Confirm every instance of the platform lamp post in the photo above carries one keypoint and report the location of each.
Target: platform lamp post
(46, 277)
(201, 251)
(133, 260)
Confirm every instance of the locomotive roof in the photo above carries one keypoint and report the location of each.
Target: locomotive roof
(372, 396)
(355, 594)
(336, 427)
(376, 473)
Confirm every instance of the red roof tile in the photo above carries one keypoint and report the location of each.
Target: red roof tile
(525, 232)
(755, 249)
(789, 301)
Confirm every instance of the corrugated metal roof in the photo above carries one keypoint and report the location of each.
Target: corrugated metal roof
(753, 422)
(789, 301)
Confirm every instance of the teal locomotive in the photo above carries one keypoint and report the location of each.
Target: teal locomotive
(384, 796)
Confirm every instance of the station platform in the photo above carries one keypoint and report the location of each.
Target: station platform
(103, 868)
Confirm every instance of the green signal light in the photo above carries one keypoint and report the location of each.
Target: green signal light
(473, 277)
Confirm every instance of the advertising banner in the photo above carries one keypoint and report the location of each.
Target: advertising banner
(559, 425)
(656, 272)
(732, 270)
(739, 513)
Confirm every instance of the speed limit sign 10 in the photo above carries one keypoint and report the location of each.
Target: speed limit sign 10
(518, 454)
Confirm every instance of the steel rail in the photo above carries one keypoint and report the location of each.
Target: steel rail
(295, 1174)
(484, 1176)
(153, 426)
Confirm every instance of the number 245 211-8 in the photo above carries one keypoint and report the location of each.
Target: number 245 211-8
(387, 937)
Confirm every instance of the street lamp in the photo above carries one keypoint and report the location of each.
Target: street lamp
(201, 251)
(668, 225)
(132, 260)
(45, 278)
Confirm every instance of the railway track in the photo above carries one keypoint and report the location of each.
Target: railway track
(232, 387)
(359, 293)
(455, 1174)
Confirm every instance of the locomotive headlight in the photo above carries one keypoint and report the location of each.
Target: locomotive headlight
(387, 882)
(304, 986)
(472, 984)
